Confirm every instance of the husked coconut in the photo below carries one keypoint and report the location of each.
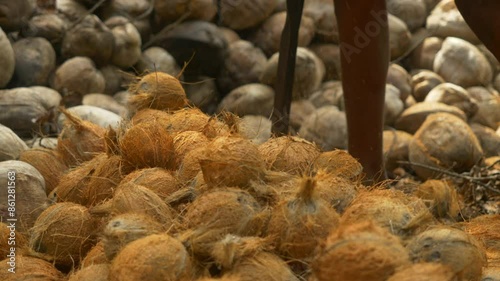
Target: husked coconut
(423, 82)
(15, 14)
(35, 62)
(395, 148)
(446, 21)
(454, 95)
(157, 59)
(330, 93)
(488, 102)
(50, 26)
(170, 11)
(256, 128)
(115, 79)
(203, 93)
(323, 14)
(413, 13)
(7, 58)
(96, 115)
(489, 140)
(127, 49)
(327, 127)
(299, 111)
(243, 15)
(422, 57)
(411, 119)
(393, 105)
(401, 79)
(399, 36)
(330, 55)
(105, 102)
(72, 9)
(11, 146)
(249, 99)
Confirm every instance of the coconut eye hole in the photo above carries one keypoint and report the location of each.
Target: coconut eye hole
(435, 256)
(116, 224)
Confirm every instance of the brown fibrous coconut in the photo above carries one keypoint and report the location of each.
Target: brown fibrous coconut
(163, 182)
(95, 272)
(79, 140)
(96, 255)
(187, 141)
(65, 231)
(401, 214)
(48, 163)
(441, 197)
(337, 191)
(157, 90)
(147, 144)
(231, 161)
(154, 257)
(29, 268)
(125, 228)
(359, 252)
(250, 259)
(190, 167)
(297, 224)
(289, 154)
(425, 271)
(485, 229)
(9, 239)
(339, 163)
(442, 244)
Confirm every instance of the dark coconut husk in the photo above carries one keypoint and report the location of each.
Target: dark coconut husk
(440, 197)
(133, 198)
(485, 228)
(10, 238)
(249, 259)
(339, 163)
(147, 145)
(401, 214)
(64, 231)
(30, 268)
(95, 272)
(359, 252)
(219, 212)
(231, 161)
(125, 228)
(48, 163)
(187, 141)
(337, 191)
(159, 180)
(289, 154)
(79, 140)
(449, 246)
(74, 185)
(155, 257)
(96, 255)
(425, 272)
(298, 224)
(157, 90)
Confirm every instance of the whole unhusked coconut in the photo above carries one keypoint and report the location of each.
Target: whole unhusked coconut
(248, 259)
(488, 102)
(249, 99)
(413, 13)
(125, 228)
(298, 223)
(401, 214)
(154, 257)
(289, 154)
(95, 272)
(329, 93)
(7, 59)
(243, 65)
(423, 82)
(48, 163)
(187, 141)
(444, 141)
(441, 197)
(309, 72)
(96, 255)
(489, 140)
(393, 105)
(65, 231)
(162, 182)
(219, 212)
(412, 118)
(170, 11)
(231, 161)
(35, 62)
(12, 239)
(339, 163)
(330, 55)
(30, 197)
(457, 59)
(399, 36)
(425, 271)
(395, 148)
(146, 145)
(268, 36)
(484, 229)
(299, 111)
(76, 77)
(359, 252)
(327, 127)
(89, 38)
(30, 268)
(442, 244)
(11, 146)
(127, 50)
(157, 90)
(157, 59)
(189, 167)
(446, 21)
(243, 14)
(79, 140)
(422, 57)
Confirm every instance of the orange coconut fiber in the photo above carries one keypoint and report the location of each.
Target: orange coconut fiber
(231, 161)
(339, 163)
(95, 272)
(289, 154)
(30, 268)
(359, 252)
(441, 197)
(425, 272)
(298, 224)
(485, 228)
(161, 181)
(336, 190)
(157, 90)
(147, 145)
(48, 163)
(80, 140)
(96, 255)
(187, 141)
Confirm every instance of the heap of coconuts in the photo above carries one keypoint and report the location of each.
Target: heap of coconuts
(140, 138)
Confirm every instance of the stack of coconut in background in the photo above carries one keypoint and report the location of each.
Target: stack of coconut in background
(138, 179)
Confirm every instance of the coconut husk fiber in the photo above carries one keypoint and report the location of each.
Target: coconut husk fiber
(30, 268)
(96, 255)
(154, 257)
(298, 224)
(48, 163)
(95, 272)
(401, 214)
(185, 142)
(425, 272)
(21, 242)
(339, 163)
(338, 191)
(359, 252)
(161, 181)
(231, 161)
(449, 246)
(485, 228)
(440, 197)
(250, 259)
(157, 90)
(65, 231)
(80, 140)
(289, 154)
(190, 167)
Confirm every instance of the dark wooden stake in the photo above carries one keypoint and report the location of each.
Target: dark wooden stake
(286, 67)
